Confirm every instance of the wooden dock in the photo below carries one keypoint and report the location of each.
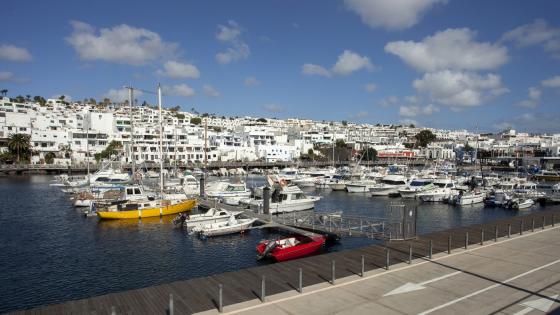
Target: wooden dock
(201, 294)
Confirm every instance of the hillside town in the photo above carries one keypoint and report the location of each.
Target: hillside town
(71, 133)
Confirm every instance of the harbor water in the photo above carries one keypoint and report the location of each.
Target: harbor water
(50, 253)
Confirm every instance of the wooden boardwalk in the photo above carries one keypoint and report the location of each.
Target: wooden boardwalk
(200, 294)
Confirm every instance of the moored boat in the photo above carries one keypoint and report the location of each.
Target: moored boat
(231, 226)
(290, 248)
(145, 209)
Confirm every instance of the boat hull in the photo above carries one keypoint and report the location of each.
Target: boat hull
(295, 252)
(357, 188)
(147, 213)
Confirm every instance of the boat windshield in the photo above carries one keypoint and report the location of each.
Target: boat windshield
(393, 182)
(417, 183)
(235, 188)
(444, 185)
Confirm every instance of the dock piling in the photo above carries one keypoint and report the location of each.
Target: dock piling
(300, 287)
(220, 298)
(171, 310)
(201, 186)
(333, 272)
(387, 258)
(430, 248)
(266, 200)
(263, 289)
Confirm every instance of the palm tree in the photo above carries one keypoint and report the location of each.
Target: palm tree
(19, 143)
(4, 92)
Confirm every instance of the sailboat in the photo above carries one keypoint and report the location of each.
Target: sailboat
(149, 208)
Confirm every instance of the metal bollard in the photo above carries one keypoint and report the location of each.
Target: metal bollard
(509, 231)
(113, 310)
(482, 236)
(449, 244)
(387, 259)
(170, 304)
(496, 234)
(362, 271)
(543, 222)
(431, 246)
(220, 298)
(466, 240)
(410, 254)
(333, 272)
(553, 221)
(263, 289)
(533, 225)
(521, 227)
(300, 280)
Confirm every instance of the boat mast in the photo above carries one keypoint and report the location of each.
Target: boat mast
(130, 100)
(205, 144)
(160, 142)
(87, 146)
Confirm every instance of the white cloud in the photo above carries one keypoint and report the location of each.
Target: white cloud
(553, 82)
(359, 115)
(120, 95)
(391, 14)
(346, 63)
(450, 49)
(532, 122)
(6, 76)
(460, 89)
(210, 91)
(179, 70)
(14, 53)
(273, 108)
(370, 87)
(349, 62)
(408, 121)
(230, 34)
(179, 90)
(533, 99)
(388, 101)
(121, 44)
(312, 69)
(252, 81)
(415, 110)
(536, 33)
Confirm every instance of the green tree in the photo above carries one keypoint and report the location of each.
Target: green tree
(370, 154)
(20, 99)
(344, 123)
(28, 98)
(4, 92)
(262, 120)
(19, 144)
(340, 144)
(196, 120)
(6, 157)
(49, 158)
(424, 137)
(113, 148)
(310, 152)
(468, 148)
(39, 99)
(412, 126)
(180, 116)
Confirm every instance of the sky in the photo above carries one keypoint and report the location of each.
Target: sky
(479, 64)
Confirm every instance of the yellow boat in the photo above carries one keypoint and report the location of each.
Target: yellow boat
(147, 209)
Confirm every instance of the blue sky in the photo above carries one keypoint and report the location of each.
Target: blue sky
(448, 64)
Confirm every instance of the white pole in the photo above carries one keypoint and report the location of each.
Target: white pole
(87, 146)
(130, 100)
(160, 143)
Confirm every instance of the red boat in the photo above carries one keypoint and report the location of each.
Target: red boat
(290, 248)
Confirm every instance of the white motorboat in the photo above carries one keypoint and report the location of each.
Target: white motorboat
(416, 186)
(305, 181)
(522, 204)
(389, 185)
(444, 189)
(364, 184)
(469, 198)
(284, 199)
(231, 226)
(288, 174)
(213, 215)
(226, 190)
